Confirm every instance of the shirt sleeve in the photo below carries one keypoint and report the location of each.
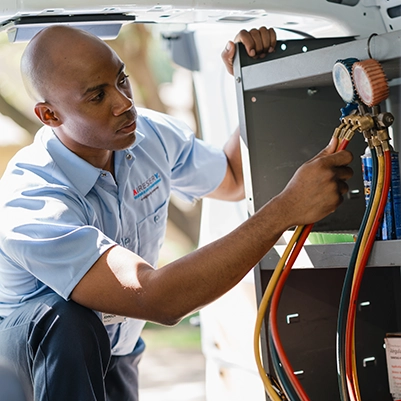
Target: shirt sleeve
(197, 168)
(48, 230)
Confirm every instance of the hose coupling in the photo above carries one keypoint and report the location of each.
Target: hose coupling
(383, 135)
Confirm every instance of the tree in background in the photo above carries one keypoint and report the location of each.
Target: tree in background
(134, 45)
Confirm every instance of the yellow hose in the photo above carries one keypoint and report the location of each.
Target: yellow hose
(375, 205)
(262, 312)
(369, 224)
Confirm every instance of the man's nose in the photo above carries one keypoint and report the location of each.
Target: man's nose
(122, 103)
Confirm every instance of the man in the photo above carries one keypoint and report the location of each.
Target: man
(83, 212)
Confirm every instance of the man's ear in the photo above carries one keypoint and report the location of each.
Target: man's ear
(47, 115)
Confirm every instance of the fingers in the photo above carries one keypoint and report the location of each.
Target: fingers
(334, 167)
(257, 42)
(343, 173)
(269, 40)
(342, 188)
(334, 176)
(264, 41)
(341, 158)
(228, 56)
(329, 149)
(319, 185)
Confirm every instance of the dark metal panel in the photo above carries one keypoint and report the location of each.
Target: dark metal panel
(285, 129)
(309, 340)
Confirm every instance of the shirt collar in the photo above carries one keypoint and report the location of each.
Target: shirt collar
(70, 163)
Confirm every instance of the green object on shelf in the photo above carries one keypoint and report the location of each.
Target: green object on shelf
(330, 238)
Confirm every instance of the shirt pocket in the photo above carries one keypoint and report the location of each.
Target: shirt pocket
(151, 231)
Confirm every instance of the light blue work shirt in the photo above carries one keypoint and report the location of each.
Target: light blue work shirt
(59, 214)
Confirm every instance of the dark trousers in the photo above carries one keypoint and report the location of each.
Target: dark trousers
(61, 352)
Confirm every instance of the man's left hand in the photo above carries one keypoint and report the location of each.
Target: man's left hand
(257, 42)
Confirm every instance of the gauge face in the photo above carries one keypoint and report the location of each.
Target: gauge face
(364, 85)
(343, 82)
(370, 82)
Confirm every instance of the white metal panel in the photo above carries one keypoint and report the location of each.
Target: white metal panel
(361, 19)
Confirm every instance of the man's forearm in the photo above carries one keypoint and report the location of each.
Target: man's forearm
(232, 149)
(232, 186)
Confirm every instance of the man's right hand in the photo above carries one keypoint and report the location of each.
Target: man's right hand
(317, 187)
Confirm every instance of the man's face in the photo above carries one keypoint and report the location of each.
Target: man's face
(92, 97)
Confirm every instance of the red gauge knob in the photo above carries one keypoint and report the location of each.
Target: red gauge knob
(370, 82)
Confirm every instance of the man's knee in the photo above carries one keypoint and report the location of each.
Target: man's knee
(70, 327)
(50, 334)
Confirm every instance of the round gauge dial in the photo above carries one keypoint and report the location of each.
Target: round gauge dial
(342, 78)
(370, 82)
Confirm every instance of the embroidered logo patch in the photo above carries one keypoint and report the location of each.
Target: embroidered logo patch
(147, 187)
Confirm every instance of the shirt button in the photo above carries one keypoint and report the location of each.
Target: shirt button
(103, 174)
(157, 218)
(126, 241)
(128, 156)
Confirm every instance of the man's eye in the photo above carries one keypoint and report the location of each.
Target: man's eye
(98, 97)
(124, 79)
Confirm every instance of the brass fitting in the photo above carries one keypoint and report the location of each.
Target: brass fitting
(383, 135)
(365, 122)
(386, 146)
(337, 132)
(351, 119)
(378, 145)
(350, 133)
(375, 141)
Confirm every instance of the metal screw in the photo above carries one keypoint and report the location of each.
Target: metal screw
(312, 91)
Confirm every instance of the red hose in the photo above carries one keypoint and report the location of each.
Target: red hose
(344, 143)
(273, 314)
(276, 299)
(358, 278)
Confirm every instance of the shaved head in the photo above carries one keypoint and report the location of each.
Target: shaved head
(81, 91)
(52, 55)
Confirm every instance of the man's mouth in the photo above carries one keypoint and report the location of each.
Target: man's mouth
(128, 128)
